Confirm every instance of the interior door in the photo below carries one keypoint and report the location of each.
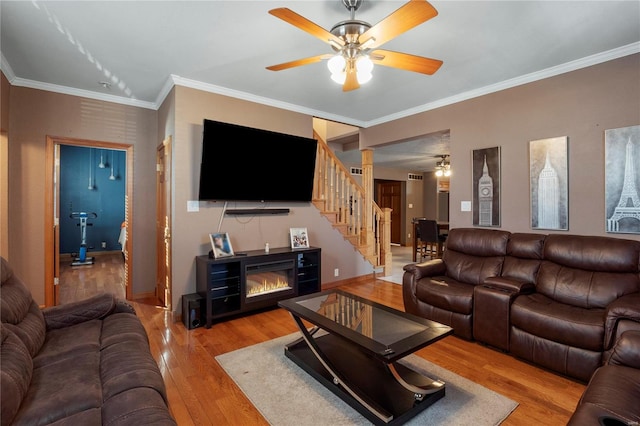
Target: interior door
(389, 194)
(163, 223)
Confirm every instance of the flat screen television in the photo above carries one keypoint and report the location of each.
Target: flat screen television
(245, 164)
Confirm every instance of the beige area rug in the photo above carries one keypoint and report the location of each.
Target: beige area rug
(286, 395)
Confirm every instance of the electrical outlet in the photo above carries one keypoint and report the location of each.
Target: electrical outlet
(336, 272)
(409, 235)
(103, 244)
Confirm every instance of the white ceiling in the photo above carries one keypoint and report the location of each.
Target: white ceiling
(143, 48)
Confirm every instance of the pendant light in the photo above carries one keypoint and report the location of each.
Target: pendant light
(101, 165)
(90, 187)
(112, 177)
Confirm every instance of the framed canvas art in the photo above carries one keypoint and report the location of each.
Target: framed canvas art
(486, 186)
(549, 183)
(221, 245)
(299, 238)
(622, 180)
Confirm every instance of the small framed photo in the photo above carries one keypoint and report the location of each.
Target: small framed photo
(221, 245)
(299, 238)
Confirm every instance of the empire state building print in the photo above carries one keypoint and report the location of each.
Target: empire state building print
(548, 165)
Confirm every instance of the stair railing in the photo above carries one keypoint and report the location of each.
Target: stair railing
(350, 207)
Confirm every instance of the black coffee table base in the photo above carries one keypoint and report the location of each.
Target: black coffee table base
(369, 378)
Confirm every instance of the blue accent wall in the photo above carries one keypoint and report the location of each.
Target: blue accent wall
(106, 197)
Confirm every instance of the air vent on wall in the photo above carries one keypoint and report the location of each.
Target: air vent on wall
(356, 171)
(414, 177)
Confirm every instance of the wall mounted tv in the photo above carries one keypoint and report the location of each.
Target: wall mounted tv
(245, 164)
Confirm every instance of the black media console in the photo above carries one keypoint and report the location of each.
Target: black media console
(255, 280)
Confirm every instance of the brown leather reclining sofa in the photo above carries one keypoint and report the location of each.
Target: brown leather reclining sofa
(84, 363)
(559, 301)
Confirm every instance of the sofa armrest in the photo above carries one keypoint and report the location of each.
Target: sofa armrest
(625, 307)
(95, 307)
(509, 284)
(626, 350)
(430, 268)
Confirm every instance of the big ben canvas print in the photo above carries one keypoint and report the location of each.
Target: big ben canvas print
(549, 186)
(486, 186)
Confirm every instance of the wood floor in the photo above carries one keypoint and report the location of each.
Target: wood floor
(200, 392)
(106, 274)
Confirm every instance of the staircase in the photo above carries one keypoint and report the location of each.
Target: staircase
(350, 208)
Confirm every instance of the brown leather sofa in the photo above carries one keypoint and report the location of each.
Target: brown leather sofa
(612, 396)
(559, 301)
(84, 363)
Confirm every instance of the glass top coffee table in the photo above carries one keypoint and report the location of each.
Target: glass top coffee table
(352, 348)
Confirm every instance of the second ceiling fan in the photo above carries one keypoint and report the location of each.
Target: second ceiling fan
(355, 42)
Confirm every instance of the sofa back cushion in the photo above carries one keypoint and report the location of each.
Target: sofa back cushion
(19, 312)
(16, 370)
(472, 254)
(588, 271)
(524, 256)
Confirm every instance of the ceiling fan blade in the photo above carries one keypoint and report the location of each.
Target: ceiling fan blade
(403, 19)
(299, 62)
(306, 25)
(351, 80)
(405, 61)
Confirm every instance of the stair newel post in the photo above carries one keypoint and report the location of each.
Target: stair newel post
(385, 242)
(367, 184)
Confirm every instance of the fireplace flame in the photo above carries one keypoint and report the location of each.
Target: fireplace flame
(266, 286)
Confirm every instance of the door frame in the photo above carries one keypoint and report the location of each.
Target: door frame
(52, 213)
(163, 221)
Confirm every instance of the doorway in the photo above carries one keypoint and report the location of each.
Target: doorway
(389, 195)
(100, 153)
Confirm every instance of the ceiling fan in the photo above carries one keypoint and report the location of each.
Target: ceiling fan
(355, 42)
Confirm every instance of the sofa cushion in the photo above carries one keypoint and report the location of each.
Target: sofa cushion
(124, 337)
(16, 369)
(579, 270)
(19, 311)
(446, 293)
(524, 256)
(58, 390)
(559, 322)
(127, 408)
(64, 342)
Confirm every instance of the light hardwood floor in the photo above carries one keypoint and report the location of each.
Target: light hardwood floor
(200, 392)
(79, 282)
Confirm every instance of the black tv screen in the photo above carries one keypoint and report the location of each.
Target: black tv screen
(245, 164)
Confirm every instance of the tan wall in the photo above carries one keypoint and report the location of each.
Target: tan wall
(36, 114)
(190, 234)
(5, 90)
(581, 105)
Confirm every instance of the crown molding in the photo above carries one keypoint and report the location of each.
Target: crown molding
(211, 88)
(585, 62)
(6, 68)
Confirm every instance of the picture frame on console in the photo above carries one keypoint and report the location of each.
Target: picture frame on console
(299, 238)
(221, 245)
(622, 180)
(549, 183)
(486, 186)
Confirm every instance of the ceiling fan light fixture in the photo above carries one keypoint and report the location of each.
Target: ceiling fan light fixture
(336, 64)
(443, 167)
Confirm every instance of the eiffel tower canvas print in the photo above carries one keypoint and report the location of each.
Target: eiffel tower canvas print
(622, 180)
